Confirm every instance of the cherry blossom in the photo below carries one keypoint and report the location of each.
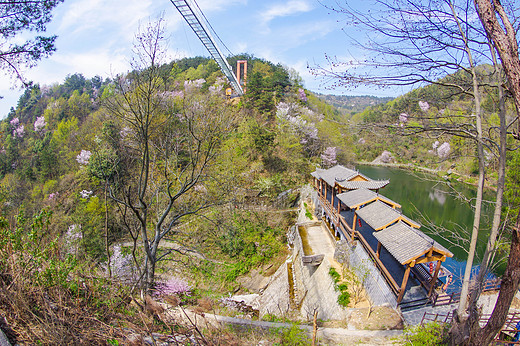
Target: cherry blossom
(14, 121)
(19, 131)
(39, 124)
(83, 157)
(329, 156)
(302, 95)
(424, 106)
(444, 150)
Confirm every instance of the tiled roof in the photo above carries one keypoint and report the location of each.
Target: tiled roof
(406, 243)
(334, 174)
(371, 184)
(358, 197)
(379, 215)
(342, 175)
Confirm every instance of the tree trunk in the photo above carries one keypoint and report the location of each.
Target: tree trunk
(497, 215)
(508, 289)
(503, 35)
(107, 249)
(461, 311)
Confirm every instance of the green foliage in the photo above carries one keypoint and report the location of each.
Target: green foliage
(430, 334)
(34, 250)
(271, 318)
(344, 296)
(292, 336)
(512, 189)
(104, 163)
(90, 214)
(344, 299)
(342, 287)
(308, 213)
(251, 241)
(334, 274)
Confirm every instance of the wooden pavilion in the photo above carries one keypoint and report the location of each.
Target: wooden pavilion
(350, 202)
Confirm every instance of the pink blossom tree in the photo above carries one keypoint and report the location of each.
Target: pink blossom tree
(444, 150)
(39, 124)
(19, 131)
(83, 157)
(329, 157)
(424, 106)
(302, 95)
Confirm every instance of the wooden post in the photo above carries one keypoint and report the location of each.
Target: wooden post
(435, 275)
(314, 328)
(338, 210)
(405, 281)
(325, 195)
(378, 249)
(333, 197)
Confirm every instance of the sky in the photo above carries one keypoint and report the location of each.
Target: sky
(95, 38)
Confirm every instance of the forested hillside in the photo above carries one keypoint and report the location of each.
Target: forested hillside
(430, 126)
(147, 181)
(350, 105)
(156, 181)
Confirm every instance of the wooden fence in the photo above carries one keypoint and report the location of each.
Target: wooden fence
(454, 297)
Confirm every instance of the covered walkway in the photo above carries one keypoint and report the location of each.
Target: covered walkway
(393, 241)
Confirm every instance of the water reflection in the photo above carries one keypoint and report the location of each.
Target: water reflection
(438, 195)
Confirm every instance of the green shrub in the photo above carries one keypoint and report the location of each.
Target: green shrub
(293, 336)
(344, 299)
(430, 334)
(308, 213)
(271, 318)
(334, 274)
(343, 287)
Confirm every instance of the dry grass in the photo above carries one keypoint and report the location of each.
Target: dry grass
(52, 316)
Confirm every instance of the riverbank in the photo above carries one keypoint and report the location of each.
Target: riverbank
(445, 175)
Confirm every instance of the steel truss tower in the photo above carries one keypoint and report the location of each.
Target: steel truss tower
(194, 18)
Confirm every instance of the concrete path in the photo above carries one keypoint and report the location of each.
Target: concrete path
(320, 241)
(319, 238)
(332, 336)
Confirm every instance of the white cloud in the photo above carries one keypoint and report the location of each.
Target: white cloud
(302, 33)
(284, 10)
(85, 15)
(218, 5)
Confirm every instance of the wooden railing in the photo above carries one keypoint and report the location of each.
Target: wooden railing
(424, 277)
(345, 226)
(328, 208)
(446, 299)
(509, 327)
(491, 285)
(512, 319)
(439, 317)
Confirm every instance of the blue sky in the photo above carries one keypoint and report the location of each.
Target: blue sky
(95, 37)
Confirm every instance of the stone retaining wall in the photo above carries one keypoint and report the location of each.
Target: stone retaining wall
(275, 298)
(314, 288)
(375, 285)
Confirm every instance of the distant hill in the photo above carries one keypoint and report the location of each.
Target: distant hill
(353, 104)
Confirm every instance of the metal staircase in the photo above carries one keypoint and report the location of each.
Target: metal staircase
(189, 10)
